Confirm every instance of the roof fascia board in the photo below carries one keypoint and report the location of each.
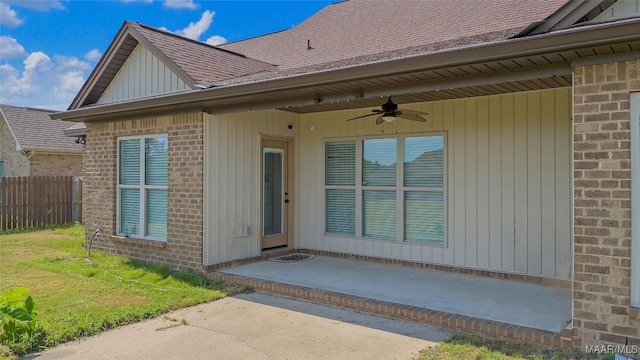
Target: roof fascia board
(75, 132)
(100, 67)
(601, 59)
(40, 150)
(551, 70)
(6, 121)
(164, 58)
(596, 35)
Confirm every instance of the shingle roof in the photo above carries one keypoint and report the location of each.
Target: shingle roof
(356, 28)
(205, 63)
(33, 129)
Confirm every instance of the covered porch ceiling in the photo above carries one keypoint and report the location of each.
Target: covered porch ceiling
(523, 64)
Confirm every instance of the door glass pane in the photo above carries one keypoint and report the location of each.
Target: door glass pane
(379, 214)
(424, 161)
(341, 212)
(130, 212)
(379, 162)
(273, 186)
(424, 217)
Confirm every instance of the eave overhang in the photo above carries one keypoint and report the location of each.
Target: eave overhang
(558, 49)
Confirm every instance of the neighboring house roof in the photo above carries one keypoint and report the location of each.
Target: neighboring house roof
(355, 28)
(76, 129)
(194, 62)
(33, 129)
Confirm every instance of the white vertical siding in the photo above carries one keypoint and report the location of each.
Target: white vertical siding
(232, 180)
(620, 9)
(508, 182)
(143, 74)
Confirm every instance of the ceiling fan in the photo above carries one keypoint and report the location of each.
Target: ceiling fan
(390, 112)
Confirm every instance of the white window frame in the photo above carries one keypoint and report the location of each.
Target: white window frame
(142, 187)
(399, 189)
(635, 198)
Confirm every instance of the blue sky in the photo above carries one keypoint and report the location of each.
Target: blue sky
(49, 47)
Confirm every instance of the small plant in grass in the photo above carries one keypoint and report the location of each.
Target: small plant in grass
(20, 329)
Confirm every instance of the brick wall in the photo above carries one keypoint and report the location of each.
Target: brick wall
(183, 249)
(15, 164)
(56, 164)
(602, 225)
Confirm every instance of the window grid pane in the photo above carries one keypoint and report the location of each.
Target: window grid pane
(424, 161)
(130, 162)
(379, 214)
(424, 217)
(156, 160)
(130, 211)
(340, 163)
(341, 212)
(379, 158)
(157, 213)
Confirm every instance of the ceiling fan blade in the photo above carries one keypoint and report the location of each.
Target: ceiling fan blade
(360, 117)
(413, 112)
(379, 120)
(411, 117)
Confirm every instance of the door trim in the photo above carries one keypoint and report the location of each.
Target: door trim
(289, 164)
(635, 197)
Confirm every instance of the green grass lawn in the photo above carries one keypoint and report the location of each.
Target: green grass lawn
(76, 298)
(464, 347)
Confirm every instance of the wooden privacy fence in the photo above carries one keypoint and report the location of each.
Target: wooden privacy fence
(38, 200)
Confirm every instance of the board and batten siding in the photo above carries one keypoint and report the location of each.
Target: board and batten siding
(142, 75)
(508, 182)
(232, 180)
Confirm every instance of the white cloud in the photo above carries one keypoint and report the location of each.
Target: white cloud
(40, 5)
(10, 48)
(43, 81)
(93, 55)
(216, 40)
(194, 30)
(8, 16)
(180, 4)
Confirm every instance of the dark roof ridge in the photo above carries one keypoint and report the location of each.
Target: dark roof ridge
(170, 33)
(29, 108)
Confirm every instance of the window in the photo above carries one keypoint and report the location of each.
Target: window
(142, 187)
(388, 188)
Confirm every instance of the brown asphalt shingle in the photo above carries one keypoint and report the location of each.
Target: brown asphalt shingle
(205, 63)
(357, 28)
(35, 130)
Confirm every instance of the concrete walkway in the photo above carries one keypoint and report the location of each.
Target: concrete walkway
(256, 326)
(511, 302)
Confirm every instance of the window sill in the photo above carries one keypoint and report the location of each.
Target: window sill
(139, 241)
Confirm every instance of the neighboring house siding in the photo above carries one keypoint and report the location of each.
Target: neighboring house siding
(183, 248)
(232, 158)
(508, 182)
(56, 164)
(142, 75)
(15, 164)
(602, 183)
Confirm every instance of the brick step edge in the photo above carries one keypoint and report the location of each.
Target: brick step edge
(466, 324)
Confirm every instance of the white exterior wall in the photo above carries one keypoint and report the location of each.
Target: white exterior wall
(232, 180)
(142, 75)
(508, 182)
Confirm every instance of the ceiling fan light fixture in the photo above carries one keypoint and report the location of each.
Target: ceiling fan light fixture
(389, 118)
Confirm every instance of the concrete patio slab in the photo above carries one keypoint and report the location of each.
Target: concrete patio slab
(510, 302)
(256, 326)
